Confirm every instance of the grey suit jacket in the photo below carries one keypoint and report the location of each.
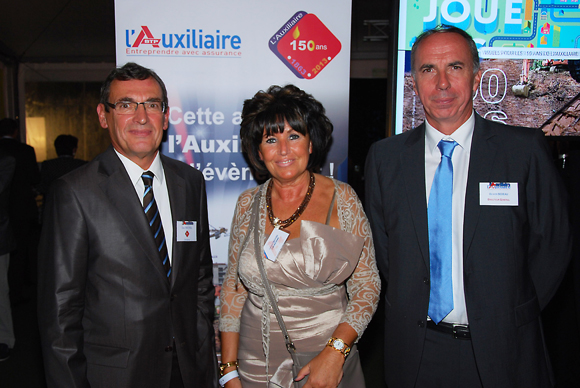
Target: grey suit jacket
(108, 315)
(514, 256)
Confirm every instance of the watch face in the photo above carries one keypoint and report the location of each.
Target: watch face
(338, 344)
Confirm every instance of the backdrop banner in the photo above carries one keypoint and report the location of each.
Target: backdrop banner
(213, 55)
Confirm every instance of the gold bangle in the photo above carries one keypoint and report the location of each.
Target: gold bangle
(225, 365)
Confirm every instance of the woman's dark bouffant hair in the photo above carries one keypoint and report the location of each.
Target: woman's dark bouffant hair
(267, 111)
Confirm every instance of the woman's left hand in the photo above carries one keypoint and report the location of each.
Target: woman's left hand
(324, 370)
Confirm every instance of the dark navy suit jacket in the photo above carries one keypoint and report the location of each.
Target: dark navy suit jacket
(514, 256)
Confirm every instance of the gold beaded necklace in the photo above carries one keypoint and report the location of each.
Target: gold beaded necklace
(282, 224)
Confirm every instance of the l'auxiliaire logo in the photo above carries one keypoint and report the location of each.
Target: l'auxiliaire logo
(305, 45)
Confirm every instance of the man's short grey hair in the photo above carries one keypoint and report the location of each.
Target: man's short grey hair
(445, 29)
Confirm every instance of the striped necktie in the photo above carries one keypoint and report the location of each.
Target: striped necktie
(154, 218)
(439, 216)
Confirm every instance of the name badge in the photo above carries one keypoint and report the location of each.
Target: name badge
(498, 193)
(186, 231)
(275, 243)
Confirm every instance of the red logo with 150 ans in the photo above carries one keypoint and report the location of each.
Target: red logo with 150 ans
(307, 47)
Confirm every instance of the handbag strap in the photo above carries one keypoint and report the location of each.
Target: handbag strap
(268, 290)
(329, 215)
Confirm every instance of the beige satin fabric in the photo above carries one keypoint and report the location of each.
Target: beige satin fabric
(308, 277)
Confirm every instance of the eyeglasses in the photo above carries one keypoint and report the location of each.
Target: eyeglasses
(130, 107)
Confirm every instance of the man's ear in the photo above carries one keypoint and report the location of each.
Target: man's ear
(102, 118)
(166, 119)
(476, 81)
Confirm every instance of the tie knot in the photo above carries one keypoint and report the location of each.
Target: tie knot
(446, 147)
(148, 178)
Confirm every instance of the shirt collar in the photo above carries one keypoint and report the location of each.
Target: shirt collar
(135, 171)
(462, 135)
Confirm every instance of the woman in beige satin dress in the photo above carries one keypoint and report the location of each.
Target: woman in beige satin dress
(324, 277)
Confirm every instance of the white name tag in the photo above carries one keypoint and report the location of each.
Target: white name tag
(275, 243)
(498, 193)
(186, 231)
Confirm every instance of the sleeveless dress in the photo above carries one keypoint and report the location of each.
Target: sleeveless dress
(308, 279)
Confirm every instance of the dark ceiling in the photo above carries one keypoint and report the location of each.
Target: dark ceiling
(57, 31)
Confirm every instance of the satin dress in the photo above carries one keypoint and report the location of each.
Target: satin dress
(308, 279)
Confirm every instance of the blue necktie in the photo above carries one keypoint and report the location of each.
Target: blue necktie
(154, 218)
(440, 227)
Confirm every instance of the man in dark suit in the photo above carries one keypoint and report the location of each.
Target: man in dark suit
(7, 167)
(52, 169)
(23, 211)
(125, 290)
(472, 244)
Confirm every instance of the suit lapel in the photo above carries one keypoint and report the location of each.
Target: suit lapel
(116, 184)
(413, 169)
(483, 153)
(177, 197)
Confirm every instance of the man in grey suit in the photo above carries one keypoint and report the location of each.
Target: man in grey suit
(125, 273)
(470, 225)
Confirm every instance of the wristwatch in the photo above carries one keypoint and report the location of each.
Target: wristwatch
(340, 345)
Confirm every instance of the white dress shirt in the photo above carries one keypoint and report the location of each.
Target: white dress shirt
(159, 190)
(460, 160)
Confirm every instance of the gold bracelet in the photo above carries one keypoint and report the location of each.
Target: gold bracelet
(223, 366)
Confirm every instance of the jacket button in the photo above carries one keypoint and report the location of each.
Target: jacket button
(168, 348)
(426, 281)
(172, 297)
(421, 323)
